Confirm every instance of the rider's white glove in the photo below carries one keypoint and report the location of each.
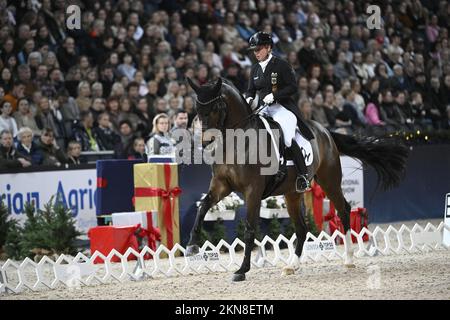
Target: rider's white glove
(268, 99)
(249, 100)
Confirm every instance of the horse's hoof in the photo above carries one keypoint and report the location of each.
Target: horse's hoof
(350, 265)
(288, 271)
(238, 277)
(192, 250)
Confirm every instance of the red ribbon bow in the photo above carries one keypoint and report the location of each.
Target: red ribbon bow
(168, 196)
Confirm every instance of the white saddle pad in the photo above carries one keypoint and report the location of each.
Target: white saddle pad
(304, 144)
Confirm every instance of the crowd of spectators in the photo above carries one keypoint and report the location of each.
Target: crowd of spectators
(118, 82)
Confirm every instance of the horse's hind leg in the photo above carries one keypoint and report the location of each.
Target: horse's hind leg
(329, 178)
(296, 209)
(217, 191)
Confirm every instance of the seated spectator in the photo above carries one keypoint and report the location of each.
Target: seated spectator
(69, 110)
(390, 113)
(83, 133)
(160, 141)
(83, 99)
(105, 134)
(126, 68)
(126, 139)
(15, 94)
(74, 153)
(373, 115)
(67, 55)
(407, 111)
(318, 111)
(25, 118)
(52, 154)
(338, 117)
(113, 109)
(305, 107)
(49, 116)
(27, 148)
(6, 79)
(126, 112)
(97, 108)
(144, 125)
(420, 112)
(6, 121)
(138, 151)
(446, 121)
(188, 106)
(9, 157)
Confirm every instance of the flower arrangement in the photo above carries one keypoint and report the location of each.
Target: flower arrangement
(225, 209)
(230, 202)
(273, 207)
(276, 202)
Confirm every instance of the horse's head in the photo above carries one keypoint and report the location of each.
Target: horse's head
(210, 104)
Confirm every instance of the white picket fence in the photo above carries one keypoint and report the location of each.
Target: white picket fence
(74, 272)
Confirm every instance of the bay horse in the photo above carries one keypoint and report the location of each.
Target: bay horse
(220, 105)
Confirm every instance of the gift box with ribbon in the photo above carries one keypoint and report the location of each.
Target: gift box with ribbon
(106, 238)
(156, 188)
(115, 188)
(148, 220)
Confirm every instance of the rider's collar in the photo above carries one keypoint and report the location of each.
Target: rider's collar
(264, 63)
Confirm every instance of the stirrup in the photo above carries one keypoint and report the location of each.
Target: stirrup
(302, 183)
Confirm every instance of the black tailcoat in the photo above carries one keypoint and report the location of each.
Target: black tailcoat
(286, 87)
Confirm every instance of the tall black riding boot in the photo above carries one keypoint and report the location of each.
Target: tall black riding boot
(302, 181)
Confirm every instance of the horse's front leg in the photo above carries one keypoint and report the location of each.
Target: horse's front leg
(253, 207)
(217, 191)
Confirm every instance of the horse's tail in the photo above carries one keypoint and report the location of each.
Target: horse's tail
(386, 155)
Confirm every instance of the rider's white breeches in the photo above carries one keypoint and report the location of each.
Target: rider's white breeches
(286, 119)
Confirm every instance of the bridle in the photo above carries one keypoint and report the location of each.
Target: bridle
(218, 104)
(221, 106)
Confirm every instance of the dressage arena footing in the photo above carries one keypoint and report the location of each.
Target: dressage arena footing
(69, 272)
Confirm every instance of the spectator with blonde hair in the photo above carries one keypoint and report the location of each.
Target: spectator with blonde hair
(160, 141)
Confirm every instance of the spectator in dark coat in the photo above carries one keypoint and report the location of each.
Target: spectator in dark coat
(27, 148)
(127, 136)
(52, 154)
(9, 157)
(106, 137)
(85, 134)
(67, 55)
(138, 150)
(74, 153)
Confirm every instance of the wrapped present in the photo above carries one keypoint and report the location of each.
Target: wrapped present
(106, 238)
(115, 186)
(148, 220)
(156, 188)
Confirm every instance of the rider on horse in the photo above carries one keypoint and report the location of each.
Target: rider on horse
(274, 80)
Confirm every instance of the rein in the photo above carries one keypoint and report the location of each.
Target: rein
(222, 107)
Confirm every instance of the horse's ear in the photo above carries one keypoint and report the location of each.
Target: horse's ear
(192, 84)
(217, 86)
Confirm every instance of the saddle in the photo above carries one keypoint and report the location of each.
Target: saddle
(277, 179)
(284, 154)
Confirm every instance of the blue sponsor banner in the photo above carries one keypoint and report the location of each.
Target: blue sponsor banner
(76, 189)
